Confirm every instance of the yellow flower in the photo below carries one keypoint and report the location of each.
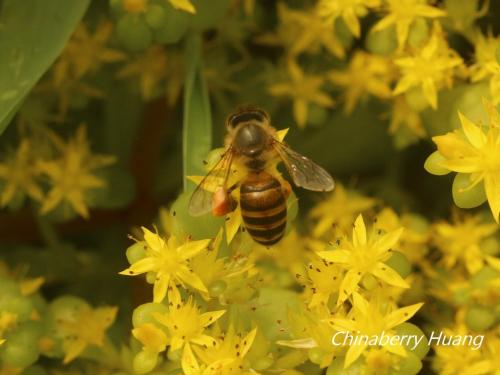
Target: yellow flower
(365, 74)
(20, 174)
(84, 53)
(371, 319)
(430, 68)
(88, 328)
(150, 67)
(169, 260)
(486, 64)
(349, 10)
(460, 359)
(339, 210)
(460, 242)
(311, 329)
(364, 256)
(303, 89)
(71, 174)
(184, 322)
(475, 151)
(190, 365)
(403, 13)
(303, 31)
(184, 5)
(405, 117)
(232, 348)
(212, 269)
(325, 281)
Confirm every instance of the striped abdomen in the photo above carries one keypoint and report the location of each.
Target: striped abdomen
(263, 207)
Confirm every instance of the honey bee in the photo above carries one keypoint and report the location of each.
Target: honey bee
(251, 144)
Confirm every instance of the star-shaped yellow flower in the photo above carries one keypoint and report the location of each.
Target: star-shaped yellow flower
(371, 319)
(403, 13)
(233, 348)
(303, 31)
(150, 68)
(475, 151)
(365, 74)
(169, 261)
(486, 65)
(71, 174)
(185, 323)
(303, 89)
(20, 175)
(88, 328)
(84, 53)
(430, 68)
(339, 210)
(349, 10)
(459, 242)
(364, 256)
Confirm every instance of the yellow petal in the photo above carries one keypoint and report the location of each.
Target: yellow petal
(359, 232)
(353, 353)
(352, 21)
(299, 343)
(141, 266)
(151, 337)
(473, 133)
(401, 315)
(204, 340)
(30, 286)
(189, 363)
(397, 349)
(387, 274)
(492, 189)
(191, 278)
(280, 134)
(160, 288)
(184, 5)
(153, 240)
(360, 303)
(72, 349)
(336, 256)
(209, 317)
(430, 92)
(388, 241)
(190, 249)
(233, 223)
(349, 285)
(248, 341)
(300, 112)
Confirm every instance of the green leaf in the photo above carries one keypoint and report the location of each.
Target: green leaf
(197, 121)
(32, 34)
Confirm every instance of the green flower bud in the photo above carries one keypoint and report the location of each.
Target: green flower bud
(479, 318)
(133, 32)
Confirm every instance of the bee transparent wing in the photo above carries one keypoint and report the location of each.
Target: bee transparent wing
(304, 172)
(201, 199)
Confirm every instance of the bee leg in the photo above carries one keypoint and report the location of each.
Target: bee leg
(286, 188)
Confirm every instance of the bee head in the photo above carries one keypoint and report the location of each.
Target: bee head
(246, 115)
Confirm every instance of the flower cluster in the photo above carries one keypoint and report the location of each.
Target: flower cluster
(66, 168)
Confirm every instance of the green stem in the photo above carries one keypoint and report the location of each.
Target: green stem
(197, 119)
